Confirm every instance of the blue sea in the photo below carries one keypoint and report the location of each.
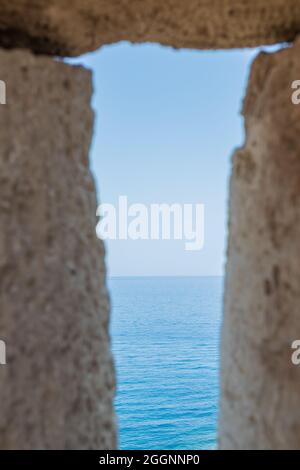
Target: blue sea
(165, 333)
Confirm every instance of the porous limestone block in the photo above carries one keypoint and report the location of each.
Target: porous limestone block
(64, 27)
(57, 388)
(260, 396)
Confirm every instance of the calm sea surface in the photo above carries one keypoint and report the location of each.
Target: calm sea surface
(165, 334)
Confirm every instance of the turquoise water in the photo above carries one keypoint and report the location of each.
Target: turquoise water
(165, 334)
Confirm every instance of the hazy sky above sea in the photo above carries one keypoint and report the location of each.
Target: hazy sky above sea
(166, 125)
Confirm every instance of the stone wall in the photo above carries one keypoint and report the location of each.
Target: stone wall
(57, 388)
(64, 27)
(260, 406)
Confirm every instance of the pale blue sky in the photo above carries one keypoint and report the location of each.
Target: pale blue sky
(167, 122)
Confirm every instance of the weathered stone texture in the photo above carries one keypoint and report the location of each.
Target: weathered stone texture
(57, 388)
(64, 27)
(260, 405)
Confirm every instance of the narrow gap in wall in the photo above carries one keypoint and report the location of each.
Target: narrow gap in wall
(167, 123)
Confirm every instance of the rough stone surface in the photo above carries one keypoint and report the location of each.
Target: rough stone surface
(57, 388)
(64, 27)
(260, 404)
